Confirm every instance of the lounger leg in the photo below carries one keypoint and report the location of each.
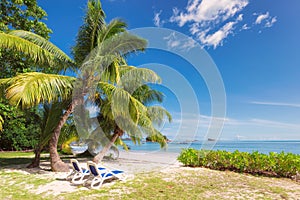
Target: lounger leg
(78, 178)
(70, 175)
(97, 181)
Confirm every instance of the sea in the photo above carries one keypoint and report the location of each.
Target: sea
(291, 146)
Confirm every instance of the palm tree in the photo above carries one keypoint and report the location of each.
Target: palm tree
(46, 55)
(36, 48)
(50, 116)
(38, 54)
(103, 63)
(31, 89)
(124, 110)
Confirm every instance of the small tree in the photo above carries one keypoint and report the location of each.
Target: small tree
(28, 16)
(29, 89)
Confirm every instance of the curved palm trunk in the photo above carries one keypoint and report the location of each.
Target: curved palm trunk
(57, 165)
(117, 133)
(37, 157)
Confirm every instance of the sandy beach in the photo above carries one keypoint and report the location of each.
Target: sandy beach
(137, 162)
(130, 162)
(166, 166)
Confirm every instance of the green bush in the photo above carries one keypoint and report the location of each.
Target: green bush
(21, 128)
(272, 164)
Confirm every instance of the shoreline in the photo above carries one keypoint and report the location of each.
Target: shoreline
(137, 162)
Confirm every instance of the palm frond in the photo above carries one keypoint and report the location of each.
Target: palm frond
(116, 26)
(51, 116)
(111, 49)
(122, 44)
(157, 136)
(157, 114)
(147, 95)
(136, 77)
(30, 49)
(88, 33)
(124, 108)
(111, 73)
(32, 88)
(45, 44)
(131, 115)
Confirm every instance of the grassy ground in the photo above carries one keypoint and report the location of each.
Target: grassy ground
(13, 158)
(177, 183)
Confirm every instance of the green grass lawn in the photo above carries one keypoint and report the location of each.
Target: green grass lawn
(17, 157)
(180, 183)
(13, 158)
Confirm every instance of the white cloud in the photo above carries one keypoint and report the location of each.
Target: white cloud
(261, 17)
(271, 22)
(206, 19)
(157, 21)
(245, 27)
(204, 16)
(276, 104)
(240, 17)
(216, 38)
(208, 10)
(174, 42)
(270, 123)
(266, 18)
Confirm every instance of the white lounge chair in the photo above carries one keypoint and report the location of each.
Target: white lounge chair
(102, 173)
(78, 174)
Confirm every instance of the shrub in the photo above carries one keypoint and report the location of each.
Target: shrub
(274, 164)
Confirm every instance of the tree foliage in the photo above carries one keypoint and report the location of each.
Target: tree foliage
(88, 33)
(20, 129)
(23, 15)
(32, 88)
(20, 15)
(35, 49)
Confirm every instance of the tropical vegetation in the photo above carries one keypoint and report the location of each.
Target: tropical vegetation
(100, 51)
(20, 128)
(177, 183)
(272, 164)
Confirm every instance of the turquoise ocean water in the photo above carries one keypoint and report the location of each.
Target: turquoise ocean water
(245, 146)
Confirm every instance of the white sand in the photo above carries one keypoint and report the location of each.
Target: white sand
(137, 162)
(130, 162)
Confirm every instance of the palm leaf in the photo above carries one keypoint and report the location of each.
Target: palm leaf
(147, 95)
(88, 33)
(122, 44)
(136, 77)
(110, 50)
(51, 116)
(43, 43)
(29, 89)
(128, 112)
(157, 114)
(30, 49)
(158, 137)
(116, 26)
(111, 73)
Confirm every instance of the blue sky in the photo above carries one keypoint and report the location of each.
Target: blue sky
(255, 46)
